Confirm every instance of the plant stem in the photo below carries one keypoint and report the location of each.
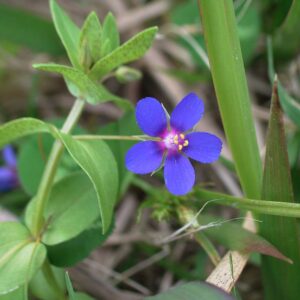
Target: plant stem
(51, 166)
(50, 277)
(117, 137)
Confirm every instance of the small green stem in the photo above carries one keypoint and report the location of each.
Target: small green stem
(118, 137)
(51, 166)
(50, 277)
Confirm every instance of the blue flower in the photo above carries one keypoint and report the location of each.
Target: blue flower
(174, 142)
(8, 172)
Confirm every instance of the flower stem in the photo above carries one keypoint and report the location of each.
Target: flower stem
(117, 137)
(51, 166)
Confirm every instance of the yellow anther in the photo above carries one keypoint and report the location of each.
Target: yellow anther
(176, 137)
(186, 142)
(176, 142)
(182, 136)
(180, 147)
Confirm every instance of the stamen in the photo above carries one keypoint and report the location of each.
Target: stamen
(182, 136)
(186, 142)
(180, 147)
(175, 139)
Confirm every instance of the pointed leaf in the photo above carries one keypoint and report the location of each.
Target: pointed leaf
(94, 157)
(81, 86)
(235, 237)
(97, 161)
(21, 127)
(280, 278)
(110, 35)
(90, 38)
(68, 32)
(193, 291)
(132, 50)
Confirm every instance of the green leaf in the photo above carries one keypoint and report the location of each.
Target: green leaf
(110, 39)
(228, 73)
(193, 291)
(21, 127)
(280, 279)
(68, 32)
(90, 40)
(290, 106)
(31, 162)
(18, 294)
(132, 50)
(97, 161)
(40, 287)
(94, 157)
(32, 157)
(81, 86)
(124, 126)
(235, 237)
(63, 255)
(288, 34)
(20, 256)
(72, 208)
(26, 29)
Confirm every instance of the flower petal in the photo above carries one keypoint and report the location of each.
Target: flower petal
(144, 157)
(203, 147)
(7, 179)
(151, 116)
(187, 113)
(179, 174)
(9, 156)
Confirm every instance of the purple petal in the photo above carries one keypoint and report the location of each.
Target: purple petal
(7, 179)
(203, 147)
(151, 116)
(144, 157)
(9, 156)
(179, 174)
(187, 113)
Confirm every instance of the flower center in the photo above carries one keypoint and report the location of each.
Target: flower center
(175, 141)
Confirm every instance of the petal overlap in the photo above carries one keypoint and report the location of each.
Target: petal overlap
(179, 174)
(151, 116)
(187, 113)
(203, 147)
(144, 157)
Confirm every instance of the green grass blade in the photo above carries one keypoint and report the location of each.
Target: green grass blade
(281, 280)
(227, 68)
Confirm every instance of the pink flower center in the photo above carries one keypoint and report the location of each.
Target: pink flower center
(174, 141)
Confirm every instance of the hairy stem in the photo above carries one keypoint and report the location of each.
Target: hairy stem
(118, 137)
(51, 167)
